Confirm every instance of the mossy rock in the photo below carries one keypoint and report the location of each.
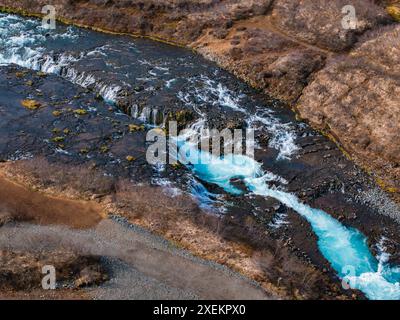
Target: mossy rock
(30, 104)
(66, 131)
(104, 149)
(56, 113)
(20, 74)
(391, 189)
(176, 165)
(29, 83)
(84, 151)
(41, 74)
(58, 139)
(138, 88)
(160, 131)
(99, 97)
(80, 112)
(135, 128)
(394, 11)
(182, 117)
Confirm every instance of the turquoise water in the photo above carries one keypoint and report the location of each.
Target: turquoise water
(345, 248)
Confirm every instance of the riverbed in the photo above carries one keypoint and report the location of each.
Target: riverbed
(299, 188)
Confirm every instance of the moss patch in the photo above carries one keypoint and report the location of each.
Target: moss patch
(135, 128)
(394, 11)
(56, 113)
(80, 112)
(30, 104)
(58, 139)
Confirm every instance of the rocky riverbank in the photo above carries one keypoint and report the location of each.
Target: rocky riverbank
(50, 148)
(55, 141)
(344, 82)
(78, 132)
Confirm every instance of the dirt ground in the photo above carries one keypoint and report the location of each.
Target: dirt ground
(22, 204)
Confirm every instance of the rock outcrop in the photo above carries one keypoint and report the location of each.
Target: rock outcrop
(357, 99)
(342, 80)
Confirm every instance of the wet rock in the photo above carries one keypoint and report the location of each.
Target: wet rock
(283, 44)
(272, 205)
(239, 184)
(182, 117)
(232, 124)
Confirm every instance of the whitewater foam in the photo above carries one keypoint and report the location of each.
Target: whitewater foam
(345, 248)
(206, 91)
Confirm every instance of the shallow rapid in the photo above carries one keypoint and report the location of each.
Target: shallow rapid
(345, 248)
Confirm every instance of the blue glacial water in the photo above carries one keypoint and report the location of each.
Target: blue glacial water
(345, 248)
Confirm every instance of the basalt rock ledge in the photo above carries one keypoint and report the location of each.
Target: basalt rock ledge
(344, 82)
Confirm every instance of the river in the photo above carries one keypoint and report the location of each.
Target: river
(148, 80)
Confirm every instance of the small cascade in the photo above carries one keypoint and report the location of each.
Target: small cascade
(345, 248)
(148, 115)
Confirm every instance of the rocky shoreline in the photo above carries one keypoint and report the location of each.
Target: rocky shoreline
(123, 188)
(343, 82)
(64, 140)
(285, 261)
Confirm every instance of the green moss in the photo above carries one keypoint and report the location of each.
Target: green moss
(381, 183)
(176, 165)
(135, 128)
(104, 149)
(80, 112)
(182, 117)
(58, 139)
(41, 74)
(56, 113)
(20, 74)
(30, 104)
(394, 11)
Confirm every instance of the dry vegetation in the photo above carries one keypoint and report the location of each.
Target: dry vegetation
(238, 243)
(22, 271)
